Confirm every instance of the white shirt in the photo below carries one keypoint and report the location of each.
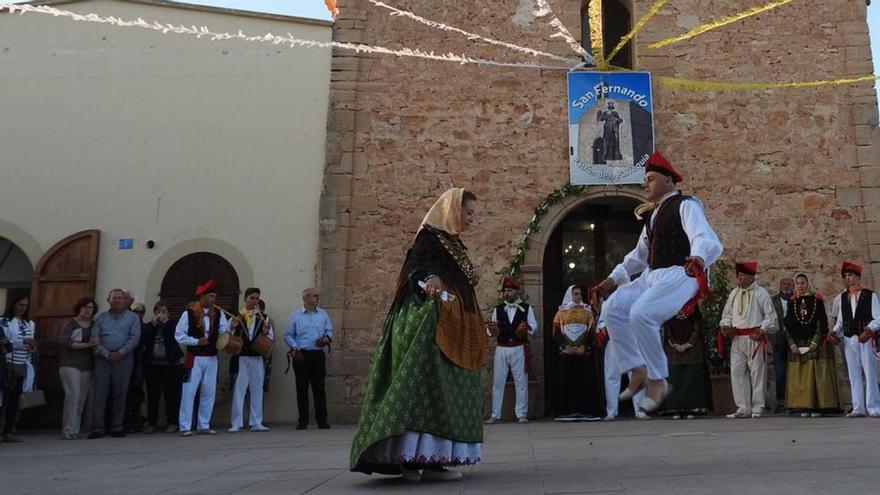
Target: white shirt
(511, 312)
(874, 325)
(760, 312)
(704, 242)
(181, 332)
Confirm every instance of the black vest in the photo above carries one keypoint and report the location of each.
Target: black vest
(668, 244)
(507, 328)
(195, 331)
(853, 325)
(258, 328)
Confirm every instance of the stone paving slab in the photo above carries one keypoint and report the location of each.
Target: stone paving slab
(775, 455)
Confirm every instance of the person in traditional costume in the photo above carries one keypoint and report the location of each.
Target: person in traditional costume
(749, 319)
(811, 377)
(198, 329)
(511, 323)
(691, 386)
(251, 369)
(858, 322)
(577, 375)
(674, 249)
(612, 374)
(422, 407)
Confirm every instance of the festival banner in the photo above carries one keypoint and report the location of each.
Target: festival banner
(610, 126)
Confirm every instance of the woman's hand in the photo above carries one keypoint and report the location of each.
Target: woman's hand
(794, 349)
(434, 287)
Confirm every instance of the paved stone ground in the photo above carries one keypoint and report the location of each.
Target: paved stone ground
(777, 455)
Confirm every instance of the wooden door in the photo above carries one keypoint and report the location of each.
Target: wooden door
(181, 280)
(65, 274)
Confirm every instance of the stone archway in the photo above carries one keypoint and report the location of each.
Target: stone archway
(532, 269)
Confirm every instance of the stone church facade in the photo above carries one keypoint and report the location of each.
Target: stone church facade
(790, 178)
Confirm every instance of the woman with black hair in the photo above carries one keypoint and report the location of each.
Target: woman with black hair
(19, 331)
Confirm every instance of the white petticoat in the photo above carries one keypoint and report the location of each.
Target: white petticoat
(422, 448)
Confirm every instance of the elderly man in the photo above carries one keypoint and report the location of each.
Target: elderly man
(749, 319)
(119, 331)
(511, 323)
(309, 331)
(675, 247)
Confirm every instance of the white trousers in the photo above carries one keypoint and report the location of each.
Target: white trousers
(613, 376)
(250, 378)
(748, 375)
(637, 310)
(203, 378)
(860, 360)
(512, 359)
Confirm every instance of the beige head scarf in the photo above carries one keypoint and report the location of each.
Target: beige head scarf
(445, 215)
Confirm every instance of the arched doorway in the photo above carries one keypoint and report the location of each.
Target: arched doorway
(181, 280)
(15, 272)
(585, 245)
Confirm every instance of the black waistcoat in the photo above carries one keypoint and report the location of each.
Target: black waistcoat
(668, 244)
(507, 328)
(258, 328)
(854, 324)
(196, 331)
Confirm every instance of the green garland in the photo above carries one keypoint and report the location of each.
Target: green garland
(514, 268)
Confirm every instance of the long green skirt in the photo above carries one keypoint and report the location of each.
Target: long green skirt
(811, 381)
(412, 387)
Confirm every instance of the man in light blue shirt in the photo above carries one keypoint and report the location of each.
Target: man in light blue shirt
(309, 331)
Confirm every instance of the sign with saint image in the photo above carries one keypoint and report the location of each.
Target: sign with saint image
(610, 126)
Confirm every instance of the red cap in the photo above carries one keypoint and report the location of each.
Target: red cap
(747, 267)
(850, 267)
(207, 287)
(657, 163)
(509, 283)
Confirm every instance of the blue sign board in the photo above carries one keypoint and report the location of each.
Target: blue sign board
(610, 126)
(126, 244)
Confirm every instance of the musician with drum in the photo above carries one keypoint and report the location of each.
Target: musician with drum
(258, 339)
(199, 329)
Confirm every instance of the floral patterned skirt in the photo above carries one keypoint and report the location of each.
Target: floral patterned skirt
(418, 406)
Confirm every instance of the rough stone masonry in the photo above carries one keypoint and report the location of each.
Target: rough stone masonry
(789, 177)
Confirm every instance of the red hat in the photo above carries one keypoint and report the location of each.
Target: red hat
(207, 287)
(850, 267)
(747, 267)
(509, 283)
(656, 163)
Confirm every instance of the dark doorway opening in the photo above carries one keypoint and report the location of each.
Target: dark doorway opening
(181, 280)
(586, 245)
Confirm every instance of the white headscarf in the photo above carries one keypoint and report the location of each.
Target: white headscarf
(572, 330)
(568, 300)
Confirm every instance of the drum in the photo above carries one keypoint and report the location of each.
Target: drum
(263, 345)
(229, 343)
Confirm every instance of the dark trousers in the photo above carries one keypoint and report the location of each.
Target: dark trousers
(163, 381)
(780, 365)
(107, 378)
(11, 398)
(311, 371)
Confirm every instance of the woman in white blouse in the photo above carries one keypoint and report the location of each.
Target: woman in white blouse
(19, 331)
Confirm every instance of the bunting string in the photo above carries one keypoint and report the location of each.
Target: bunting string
(720, 23)
(632, 32)
(542, 9)
(472, 36)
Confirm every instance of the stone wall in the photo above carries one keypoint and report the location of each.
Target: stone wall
(789, 178)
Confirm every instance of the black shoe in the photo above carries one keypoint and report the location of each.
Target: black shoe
(117, 434)
(95, 434)
(324, 426)
(301, 426)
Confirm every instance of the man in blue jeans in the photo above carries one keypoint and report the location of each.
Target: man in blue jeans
(780, 346)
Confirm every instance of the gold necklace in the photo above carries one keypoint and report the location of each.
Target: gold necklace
(458, 251)
(801, 310)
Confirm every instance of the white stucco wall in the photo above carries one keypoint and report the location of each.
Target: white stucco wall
(198, 145)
